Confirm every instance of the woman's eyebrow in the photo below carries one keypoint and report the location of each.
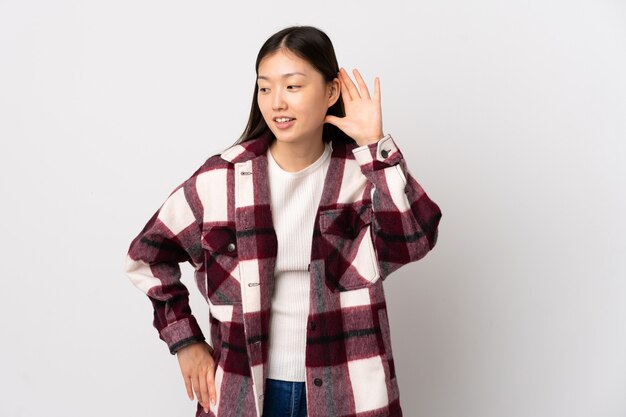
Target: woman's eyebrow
(289, 74)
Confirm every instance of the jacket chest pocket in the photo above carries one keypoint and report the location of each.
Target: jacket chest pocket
(221, 264)
(349, 256)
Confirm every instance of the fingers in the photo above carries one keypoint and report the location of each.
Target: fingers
(349, 90)
(344, 88)
(197, 367)
(376, 89)
(210, 379)
(188, 387)
(354, 93)
(204, 390)
(362, 86)
(195, 380)
(333, 120)
(202, 384)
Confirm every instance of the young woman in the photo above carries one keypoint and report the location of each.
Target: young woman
(291, 231)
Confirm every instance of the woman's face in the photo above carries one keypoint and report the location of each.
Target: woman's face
(289, 86)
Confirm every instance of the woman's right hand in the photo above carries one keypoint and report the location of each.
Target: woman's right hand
(198, 369)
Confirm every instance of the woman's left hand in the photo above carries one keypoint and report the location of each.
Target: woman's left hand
(363, 120)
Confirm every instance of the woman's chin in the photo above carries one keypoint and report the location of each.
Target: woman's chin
(285, 137)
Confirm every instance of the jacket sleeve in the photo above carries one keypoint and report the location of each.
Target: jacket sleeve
(405, 220)
(171, 236)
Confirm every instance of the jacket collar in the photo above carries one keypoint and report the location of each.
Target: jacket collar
(252, 148)
(249, 149)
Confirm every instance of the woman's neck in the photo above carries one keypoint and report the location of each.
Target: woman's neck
(293, 157)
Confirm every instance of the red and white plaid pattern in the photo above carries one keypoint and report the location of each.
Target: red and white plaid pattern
(373, 218)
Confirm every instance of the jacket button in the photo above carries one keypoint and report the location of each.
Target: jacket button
(312, 325)
(230, 247)
(317, 382)
(384, 153)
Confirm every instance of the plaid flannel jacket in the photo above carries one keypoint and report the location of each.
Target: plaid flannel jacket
(373, 218)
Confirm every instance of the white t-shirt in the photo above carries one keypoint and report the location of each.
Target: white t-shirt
(294, 197)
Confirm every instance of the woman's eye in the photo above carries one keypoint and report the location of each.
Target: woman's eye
(263, 89)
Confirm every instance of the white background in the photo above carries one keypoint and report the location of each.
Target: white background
(512, 116)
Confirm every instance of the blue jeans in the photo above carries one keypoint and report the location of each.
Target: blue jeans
(284, 399)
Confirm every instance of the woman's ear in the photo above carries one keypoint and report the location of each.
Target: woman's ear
(334, 90)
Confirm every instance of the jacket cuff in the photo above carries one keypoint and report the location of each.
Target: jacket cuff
(378, 155)
(181, 333)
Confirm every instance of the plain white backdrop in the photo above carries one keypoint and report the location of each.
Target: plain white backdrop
(512, 116)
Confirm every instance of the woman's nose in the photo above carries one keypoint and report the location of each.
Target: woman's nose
(277, 101)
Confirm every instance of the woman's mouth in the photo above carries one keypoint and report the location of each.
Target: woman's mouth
(284, 122)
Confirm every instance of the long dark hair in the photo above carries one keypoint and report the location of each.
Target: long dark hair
(314, 46)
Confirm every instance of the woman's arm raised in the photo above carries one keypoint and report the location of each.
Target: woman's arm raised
(405, 220)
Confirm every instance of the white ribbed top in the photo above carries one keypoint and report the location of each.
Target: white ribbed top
(294, 197)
